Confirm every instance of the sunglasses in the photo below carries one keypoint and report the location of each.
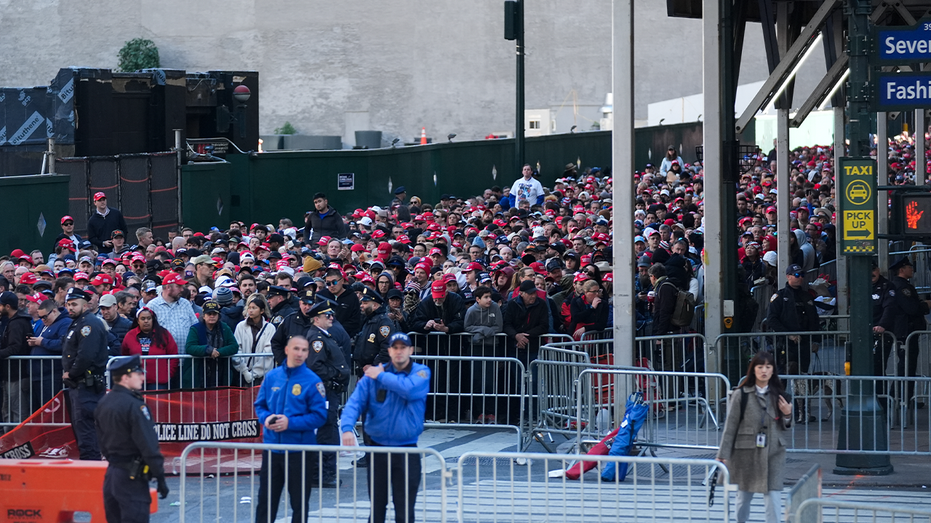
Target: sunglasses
(68, 224)
(331, 283)
(798, 275)
(43, 316)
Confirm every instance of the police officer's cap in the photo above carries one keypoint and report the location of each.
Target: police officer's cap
(399, 336)
(277, 290)
(368, 294)
(75, 293)
(331, 303)
(320, 308)
(901, 262)
(122, 365)
(307, 296)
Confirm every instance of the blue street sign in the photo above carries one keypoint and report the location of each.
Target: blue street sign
(902, 45)
(902, 91)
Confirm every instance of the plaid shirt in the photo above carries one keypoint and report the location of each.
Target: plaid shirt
(177, 317)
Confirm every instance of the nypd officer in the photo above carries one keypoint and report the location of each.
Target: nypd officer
(278, 300)
(84, 361)
(127, 438)
(291, 406)
(326, 360)
(791, 309)
(910, 317)
(393, 397)
(372, 341)
(884, 312)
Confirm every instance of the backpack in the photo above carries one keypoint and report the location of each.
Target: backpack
(684, 312)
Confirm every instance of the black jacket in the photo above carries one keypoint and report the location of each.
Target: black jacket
(593, 318)
(452, 312)
(85, 347)
(372, 342)
(280, 312)
(911, 312)
(125, 430)
(99, 228)
(119, 328)
(13, 343)
(532, 320)
(326, 358)
(349, 314)
(884, 304)
(664, 304)
(294, 325)
(330, 224)
(792, 310)
(232, 315)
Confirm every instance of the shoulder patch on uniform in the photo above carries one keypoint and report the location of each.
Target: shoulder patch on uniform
(317, 345)
(85, 330)
(276, 320)
(384, 330)
(891, 292)
(422, 374)
(321, 389)
(296, 389)
(145, 412)
(773, 297)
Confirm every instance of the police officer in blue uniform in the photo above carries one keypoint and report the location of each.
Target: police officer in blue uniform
(884, 312)
(393, 398)
(372, 341)
(291, 406)
(910, 317)
(126, 433)
(327, 361)
(282, 308)
(84, 361)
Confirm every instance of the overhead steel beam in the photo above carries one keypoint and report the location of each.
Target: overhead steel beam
(787, 64)
(822, 90)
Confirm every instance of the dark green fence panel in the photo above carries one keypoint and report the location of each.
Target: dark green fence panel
(268, 186)
(26, 199)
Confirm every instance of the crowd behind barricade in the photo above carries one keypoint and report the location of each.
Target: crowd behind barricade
(522, 261)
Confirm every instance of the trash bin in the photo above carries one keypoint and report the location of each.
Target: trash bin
(368, 139)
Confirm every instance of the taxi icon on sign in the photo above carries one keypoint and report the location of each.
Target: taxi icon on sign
(858, 192)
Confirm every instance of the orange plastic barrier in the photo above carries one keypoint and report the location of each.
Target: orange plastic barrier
(53, 490)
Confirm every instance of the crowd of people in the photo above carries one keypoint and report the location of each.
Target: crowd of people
(516, 263)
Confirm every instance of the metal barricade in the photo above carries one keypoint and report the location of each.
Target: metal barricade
(807, 487)
(495, 395)
(796, 353)
(492, 487)
(827, 510)
(671, 422)
(29, 383)
(226, 483)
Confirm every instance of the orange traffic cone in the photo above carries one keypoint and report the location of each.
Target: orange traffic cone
(423, 136)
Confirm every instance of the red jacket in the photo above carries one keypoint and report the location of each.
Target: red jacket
(158, 370)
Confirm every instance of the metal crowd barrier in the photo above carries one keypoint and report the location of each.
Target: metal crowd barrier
(28, 383)
(827, 510)
(689, 421)
(208, 495)
(807, 487)
(491, 487)
(796, 353)
(476, 391)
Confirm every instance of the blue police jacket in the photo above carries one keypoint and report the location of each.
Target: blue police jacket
(398, 419)
(298, 394)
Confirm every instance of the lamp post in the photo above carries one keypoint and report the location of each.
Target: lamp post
(514, 30)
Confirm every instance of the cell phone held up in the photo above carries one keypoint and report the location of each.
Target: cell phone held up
(272, 420)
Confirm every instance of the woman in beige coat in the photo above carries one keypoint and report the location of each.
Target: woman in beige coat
(754, 442)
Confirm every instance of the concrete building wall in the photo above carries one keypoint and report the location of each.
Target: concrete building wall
(439, 64)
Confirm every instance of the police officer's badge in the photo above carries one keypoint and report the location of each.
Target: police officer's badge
(85, 330)
(321, 389)
(371, 338)
(317, 345)
(296, 389)
(145, 412)
(384, 331)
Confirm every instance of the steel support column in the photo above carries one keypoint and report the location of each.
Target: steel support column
(622, 191)
(882, 178)
(840, 148)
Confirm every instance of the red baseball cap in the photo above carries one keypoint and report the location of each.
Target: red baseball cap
(102, 279)
(424, 266)
(404, 239)
(384, 250)
(100, 196)
(81, 276)
(438, 289)
(28, 279)
(435, 250)
(66, 218)
(65, 242)
(771, 208)
(474, 266)
(358, 247)
(580, 276)
(608, 276)
(378, 233)
(173, 278)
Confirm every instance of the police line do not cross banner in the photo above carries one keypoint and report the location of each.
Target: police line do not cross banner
(857, 196)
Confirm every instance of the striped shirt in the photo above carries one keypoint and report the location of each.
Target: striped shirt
(176, 317)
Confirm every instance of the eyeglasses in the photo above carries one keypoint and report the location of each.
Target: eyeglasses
(42, 317)
(331, 283)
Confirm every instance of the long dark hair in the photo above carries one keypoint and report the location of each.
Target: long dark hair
(776, 388)
(158, 332)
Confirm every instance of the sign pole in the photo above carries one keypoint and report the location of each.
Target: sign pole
(862, 423)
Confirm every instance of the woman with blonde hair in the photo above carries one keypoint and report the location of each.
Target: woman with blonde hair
(254, 335)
